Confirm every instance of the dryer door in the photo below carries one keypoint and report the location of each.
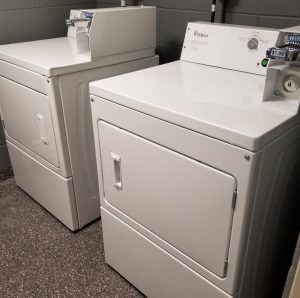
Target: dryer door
(28, 120)
(184, 202)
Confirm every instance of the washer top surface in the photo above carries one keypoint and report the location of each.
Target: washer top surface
(220, 103)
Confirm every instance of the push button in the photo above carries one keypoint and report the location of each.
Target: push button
(265, 62)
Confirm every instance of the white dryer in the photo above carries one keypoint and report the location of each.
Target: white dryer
(46, 109)
(198, 165)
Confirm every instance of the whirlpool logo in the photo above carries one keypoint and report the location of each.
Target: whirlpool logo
(200, 34)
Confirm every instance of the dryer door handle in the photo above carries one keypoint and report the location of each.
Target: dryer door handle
(116, 168)
(42, 128)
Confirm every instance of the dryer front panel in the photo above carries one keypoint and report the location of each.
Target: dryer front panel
(28, 120)
(186, 203)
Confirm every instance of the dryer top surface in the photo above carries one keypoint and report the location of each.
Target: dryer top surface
(224, 104)
(54, 57)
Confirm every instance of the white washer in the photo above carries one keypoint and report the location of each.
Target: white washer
(198, 167)
(46, 109)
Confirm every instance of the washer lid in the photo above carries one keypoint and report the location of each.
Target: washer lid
(220, 103)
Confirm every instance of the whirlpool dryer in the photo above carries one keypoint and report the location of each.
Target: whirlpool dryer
(199, 165)
(45, 105)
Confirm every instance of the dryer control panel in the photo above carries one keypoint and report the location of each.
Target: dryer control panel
(104, 32)
(233, 47)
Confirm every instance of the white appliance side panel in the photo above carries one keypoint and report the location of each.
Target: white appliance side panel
(28, 120)
(274, 227)
(52, 191)
(295, 290)
(79, 131)
(157, 275)
(183, 201)
(233, 47)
